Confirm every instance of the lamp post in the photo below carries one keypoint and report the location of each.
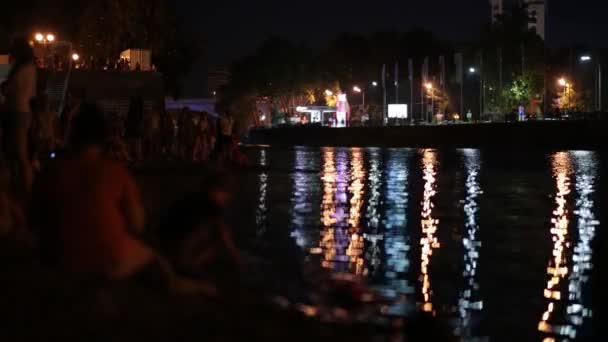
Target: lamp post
(598, 79)
(356, 89)
(563, 83)
(472, 71)
(430, 88)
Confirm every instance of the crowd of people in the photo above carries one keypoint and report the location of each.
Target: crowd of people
(66, 189)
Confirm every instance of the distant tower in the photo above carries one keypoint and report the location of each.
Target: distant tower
(497, 7)
(537, 10)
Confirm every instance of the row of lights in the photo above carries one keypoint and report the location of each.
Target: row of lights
(50, 38)
(472, 70)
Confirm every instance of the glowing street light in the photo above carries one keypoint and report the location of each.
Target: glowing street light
(356, 89)
(39, 37)
(562, 82)
(50, 37)
(75, 57)
(429, 86)
(329, 92)
(375, 84)
(472, 70)
(585, 58)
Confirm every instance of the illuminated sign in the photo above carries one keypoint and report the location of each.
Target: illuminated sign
(397, 111)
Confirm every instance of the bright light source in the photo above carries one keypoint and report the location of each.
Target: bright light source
(329, 92)
(301, 109)
(356, 89)
(429, 86)
(472, 70)
(39, 37)
(375, 84)
(397, 111)
(50, 37)
(562, 82)
(75, 57)
(585, 58)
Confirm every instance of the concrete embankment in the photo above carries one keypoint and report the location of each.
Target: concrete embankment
(534, 134)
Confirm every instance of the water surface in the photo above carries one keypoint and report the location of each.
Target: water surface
(499, 243)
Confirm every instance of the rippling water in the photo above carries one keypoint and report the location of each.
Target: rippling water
(500, 244)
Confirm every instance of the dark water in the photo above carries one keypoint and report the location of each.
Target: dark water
(499, 243)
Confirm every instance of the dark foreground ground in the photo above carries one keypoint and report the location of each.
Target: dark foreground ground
(537, 134)
(38, 304)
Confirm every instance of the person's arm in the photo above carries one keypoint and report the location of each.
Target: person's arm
(132, 206)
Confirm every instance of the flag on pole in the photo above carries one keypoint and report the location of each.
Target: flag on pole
(459, 68)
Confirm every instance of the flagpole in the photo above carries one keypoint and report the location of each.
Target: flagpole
(396, 82)
(383, 94)
(411, 76)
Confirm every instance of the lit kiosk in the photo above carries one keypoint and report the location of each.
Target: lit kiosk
(317, 114)
(343, 112)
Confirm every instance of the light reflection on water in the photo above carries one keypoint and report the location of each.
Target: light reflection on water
(352, 208)
(429, 224)
(470, 301)
(262, 208)
(566, 309)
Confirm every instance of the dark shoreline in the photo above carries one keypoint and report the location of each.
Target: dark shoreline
(586, 135)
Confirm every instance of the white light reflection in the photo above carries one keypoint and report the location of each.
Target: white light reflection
(573, 309)
(261, 216)
(396, 243)
(470, 298)
(428, 241)
(373, 253)
(303, 213)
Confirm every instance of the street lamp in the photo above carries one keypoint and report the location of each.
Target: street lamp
(356, 89)
(75, 57)
(375, 84)
(472, 70)
(429, 87)
(563, 83)
(39, 37)
(50, 37)
(598, 79)
(328, 92)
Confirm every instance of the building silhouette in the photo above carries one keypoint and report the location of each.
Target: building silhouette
(537, 10)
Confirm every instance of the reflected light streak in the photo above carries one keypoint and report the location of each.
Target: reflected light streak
(357, 192)
(262, 209)
(303, 215)
(373, 254)
(578, 310)
(396, 242)
(429, 225)
(470, 300)
(558, 264)
(334, 237)
(577, 307)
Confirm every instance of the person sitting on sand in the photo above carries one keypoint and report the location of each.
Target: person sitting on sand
(88, 210)
(11, 215)
(194, 234)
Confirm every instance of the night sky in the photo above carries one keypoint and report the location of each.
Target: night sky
(235, 28)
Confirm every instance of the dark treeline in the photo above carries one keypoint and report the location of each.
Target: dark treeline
(102, 29)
